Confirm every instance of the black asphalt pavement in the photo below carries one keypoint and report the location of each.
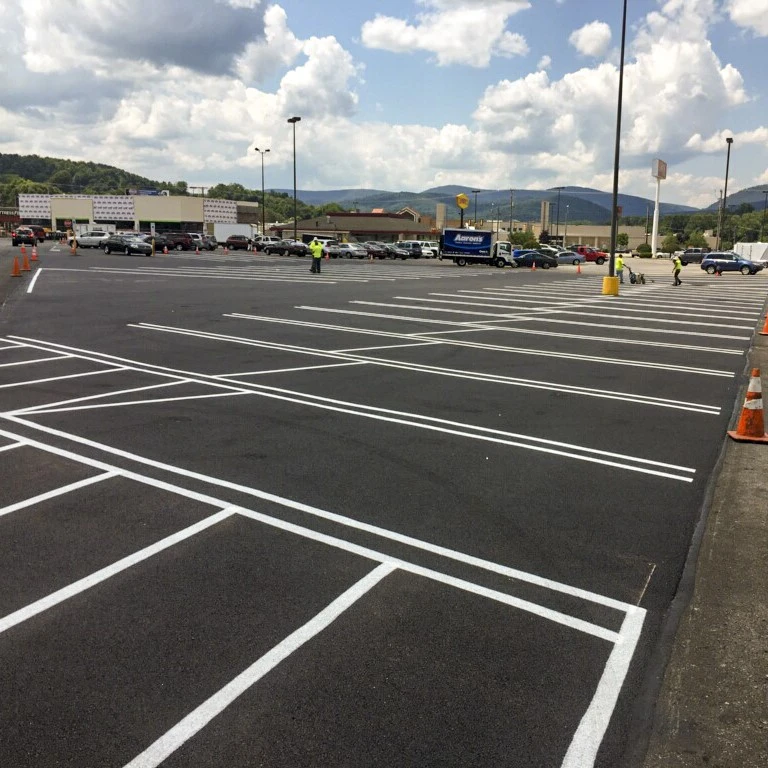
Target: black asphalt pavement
(400, 513)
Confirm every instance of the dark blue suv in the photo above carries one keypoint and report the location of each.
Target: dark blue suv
(728, 261)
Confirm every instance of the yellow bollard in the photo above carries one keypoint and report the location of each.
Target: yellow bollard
(610, 286)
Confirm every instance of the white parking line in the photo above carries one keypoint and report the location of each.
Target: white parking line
(196, 720)
(53, 494)
(32, 282)
(38, 360)
(60, 378)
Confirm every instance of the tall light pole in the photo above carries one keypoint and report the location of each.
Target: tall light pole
(765, 205)
(511, 211)
(565, 233)
(293, 121)
(610, 284)
(474, 192)
(262, 152)
(557, 225)
(728, 141)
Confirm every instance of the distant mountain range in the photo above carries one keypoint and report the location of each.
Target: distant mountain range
(578, 204)
(754, 196)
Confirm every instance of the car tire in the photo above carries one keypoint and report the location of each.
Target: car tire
(179, 247)
(461, 262)
(576, 262)
(545, 265)
(710, 270)
(746, 271)
(600, 261)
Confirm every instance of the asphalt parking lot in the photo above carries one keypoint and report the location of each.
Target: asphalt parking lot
(399, 513)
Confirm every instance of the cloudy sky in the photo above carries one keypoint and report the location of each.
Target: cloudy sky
(487, 93)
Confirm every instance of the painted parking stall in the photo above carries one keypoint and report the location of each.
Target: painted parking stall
(376, 519)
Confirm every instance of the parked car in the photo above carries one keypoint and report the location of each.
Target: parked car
(287, 248)
(376, 249)
(238, 243)
(429, 248)
(346, 250)
(23, 236)
(94, 238)
(728, 261)
(692, 255)
(127, 244)
(527, 257)
(415, 251)
(261, 241)
(395, 251)
(179, 241)
(210, 241)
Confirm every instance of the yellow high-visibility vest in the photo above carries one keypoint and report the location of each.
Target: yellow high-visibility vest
(619, 262)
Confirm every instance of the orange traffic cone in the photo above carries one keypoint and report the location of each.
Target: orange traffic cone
(764, 332)
(165, 250)
(751, 426)
(226, 250)
(34, 254)
(25, 264)
(23, 249)
(578, 268)
(533, 265)
(15, 272)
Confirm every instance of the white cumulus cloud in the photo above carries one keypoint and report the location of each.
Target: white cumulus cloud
(456, 31)
(751, 14)
(592, 39)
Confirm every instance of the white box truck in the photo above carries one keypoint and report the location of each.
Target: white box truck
(222, 231)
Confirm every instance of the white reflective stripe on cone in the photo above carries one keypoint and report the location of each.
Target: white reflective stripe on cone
(754, 405)
(755, 386)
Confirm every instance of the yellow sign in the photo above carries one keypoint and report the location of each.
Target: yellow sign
(462, 201)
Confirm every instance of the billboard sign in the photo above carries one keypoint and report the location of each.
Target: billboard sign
(659, 170)
(462, 201)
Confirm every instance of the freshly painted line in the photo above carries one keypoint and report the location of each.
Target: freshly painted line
(196, 720)
(56, 492)
(289, 370)
(34, 408)
(59, 378)
(549, 386)
(516, 317)
(384, 533)
(122, 404)
(589, 735)
(538, 314)
(432, 424)
(135, 273)
(33, 609)
(524, 331)
(389, 346)
(491, 347)
(38, 360)
(10, 447)
(31, 285)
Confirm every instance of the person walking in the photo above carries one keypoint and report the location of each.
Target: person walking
(316, 249)
(677, 265)
(620, 268)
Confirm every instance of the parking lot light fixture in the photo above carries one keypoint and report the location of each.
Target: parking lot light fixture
(762, 222)
(293, 121)
(557, 225)
(262, 152)
(724, 209)
(611, 283)
(475, 193)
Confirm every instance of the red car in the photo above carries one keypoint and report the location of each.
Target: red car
(238, 243)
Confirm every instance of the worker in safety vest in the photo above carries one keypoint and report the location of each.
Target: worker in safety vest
(677, 265)
(619, 268)
(316, 248)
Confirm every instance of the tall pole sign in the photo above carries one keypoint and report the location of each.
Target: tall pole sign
(463, 202)
(659, 172)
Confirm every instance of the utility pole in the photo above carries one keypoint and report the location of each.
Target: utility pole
(647, 218)
(511, 211)
(719, 220)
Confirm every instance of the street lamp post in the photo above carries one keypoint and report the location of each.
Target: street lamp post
(475, 192)
(557, 225)
(728, 141)
(293, 121)
(565, 231)
(610, 284)
(765, 205)
(262, 152)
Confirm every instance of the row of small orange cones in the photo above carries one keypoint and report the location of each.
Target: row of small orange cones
(17, 270)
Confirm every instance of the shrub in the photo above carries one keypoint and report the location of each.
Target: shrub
(644, 251)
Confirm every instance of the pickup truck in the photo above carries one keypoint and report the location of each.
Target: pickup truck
(692, 255)
(591, 254)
